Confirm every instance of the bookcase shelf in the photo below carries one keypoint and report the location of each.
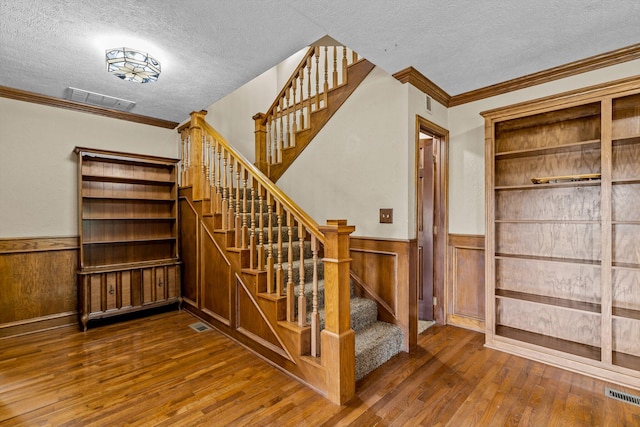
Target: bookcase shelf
(562, 259)
(128, 228)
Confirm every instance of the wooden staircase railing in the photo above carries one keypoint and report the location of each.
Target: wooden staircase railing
(247, 206)
(322, 81)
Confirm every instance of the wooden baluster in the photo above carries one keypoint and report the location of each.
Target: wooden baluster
(245, 212)
(317, 78)
(309, 101)
(302, 299)
(252, 232)
(354, 56)
(231, 195)
(345, 65)
(291, 290)
(279, 270)
(188, 177)
(225, 192)
(212, 177)
(281, 142)
(301, 79)
(238, 219)
(287, 139)
(335, 66)
(219, 192)
(202, 161)
(315, 316)
(270, 260)
(260, 229)
(294, 127)
(326, 76)
(269, 142)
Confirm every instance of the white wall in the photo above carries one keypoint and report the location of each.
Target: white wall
(466, 146)
(358, 162)
(38, 180)
(232, 115)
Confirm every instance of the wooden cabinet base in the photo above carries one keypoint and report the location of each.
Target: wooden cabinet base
(110, 293)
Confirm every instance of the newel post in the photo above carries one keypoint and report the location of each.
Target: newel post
(337, 338)
(261, 143)
(197, 154)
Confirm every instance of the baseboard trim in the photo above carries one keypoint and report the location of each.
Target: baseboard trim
(38, 324)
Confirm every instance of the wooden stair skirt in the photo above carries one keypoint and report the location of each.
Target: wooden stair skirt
(235, 299)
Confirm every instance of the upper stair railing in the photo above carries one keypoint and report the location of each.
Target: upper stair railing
(245, 204)
(321, 70)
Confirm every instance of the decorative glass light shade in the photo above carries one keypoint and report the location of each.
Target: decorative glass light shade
(132, 65)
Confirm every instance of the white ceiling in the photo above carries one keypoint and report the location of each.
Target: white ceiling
(209, 48)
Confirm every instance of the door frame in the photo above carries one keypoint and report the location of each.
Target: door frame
(440, 208)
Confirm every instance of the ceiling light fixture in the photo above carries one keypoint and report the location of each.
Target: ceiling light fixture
(132, 65)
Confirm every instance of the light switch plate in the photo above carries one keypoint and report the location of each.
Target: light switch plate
(386, 216)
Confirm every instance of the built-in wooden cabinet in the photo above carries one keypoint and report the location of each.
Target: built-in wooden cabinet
(128, 230)
(563, 230)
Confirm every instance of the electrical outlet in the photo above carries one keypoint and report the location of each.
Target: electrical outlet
(386, 216)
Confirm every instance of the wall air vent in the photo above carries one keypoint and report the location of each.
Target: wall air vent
(427, 104)
(98, 99)
(624, 397)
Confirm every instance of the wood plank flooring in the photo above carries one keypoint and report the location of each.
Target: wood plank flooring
(156, 371)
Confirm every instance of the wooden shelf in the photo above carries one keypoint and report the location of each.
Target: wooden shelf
(126, 241)
(592, 183)
(626, 360)
(141, 199)
(545, 221)
(631, 139)
(577, 349)
(126, 180)
(128, 230)
(561, 148)
(128, 218)
(548, 259)
(129, 266)
(557, 302)
(561, 253)
(627, 313)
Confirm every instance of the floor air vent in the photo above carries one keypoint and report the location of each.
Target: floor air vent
(199, 327)
(624, 397)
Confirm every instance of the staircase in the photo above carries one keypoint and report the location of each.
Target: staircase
(375, 341)
(256, 266)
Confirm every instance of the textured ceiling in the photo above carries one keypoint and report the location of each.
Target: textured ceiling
(209, 48)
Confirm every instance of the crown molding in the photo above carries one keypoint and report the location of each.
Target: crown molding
(417, 79)
(591, 63)
(22, 95)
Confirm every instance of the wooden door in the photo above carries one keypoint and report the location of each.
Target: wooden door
(425, 202)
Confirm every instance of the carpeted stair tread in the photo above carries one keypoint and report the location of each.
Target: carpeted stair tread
(364, 312)
(375, 345)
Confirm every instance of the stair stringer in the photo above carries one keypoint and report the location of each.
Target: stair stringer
(291, 338)
(356, 73)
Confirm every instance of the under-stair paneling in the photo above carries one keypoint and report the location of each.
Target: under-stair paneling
(189, 252)
(465, 282)
(216, 279)
(38, 288)
(251, 321)
(383, 270)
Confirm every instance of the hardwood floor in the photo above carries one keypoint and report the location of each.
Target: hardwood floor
(156, 371)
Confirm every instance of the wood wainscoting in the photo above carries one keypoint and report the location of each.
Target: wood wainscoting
(465, 281)
(385, 271)
(38, 288)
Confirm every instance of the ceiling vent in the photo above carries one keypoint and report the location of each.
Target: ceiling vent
(99, 100)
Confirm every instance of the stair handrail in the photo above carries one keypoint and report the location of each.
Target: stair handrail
(205, 150)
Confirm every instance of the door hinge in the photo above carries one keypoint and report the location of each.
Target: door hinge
(435, 230)
(435, 159)
(435, 300)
